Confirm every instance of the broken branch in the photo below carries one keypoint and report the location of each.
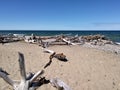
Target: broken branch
(22, 67)
(36, 75)
(6, 78)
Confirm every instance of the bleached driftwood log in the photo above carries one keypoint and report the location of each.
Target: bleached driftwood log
(68, 42)
(6, 78)
(36, 76)
(22, 67)
(25, 83)
(59, 84)
(48, 51)
(31, 81)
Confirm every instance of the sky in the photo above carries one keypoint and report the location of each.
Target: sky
(59, 14)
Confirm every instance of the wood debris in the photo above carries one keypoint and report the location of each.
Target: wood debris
(59, 84)
(31, 81)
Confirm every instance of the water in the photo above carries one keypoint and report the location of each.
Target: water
(113, 35)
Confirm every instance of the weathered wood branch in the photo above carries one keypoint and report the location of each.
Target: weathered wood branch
(25, 82)
(6, 78)
(59, 84)
(68, 42)
(29, 75)
(31, 82)
(36, 75)
(48, 51)
(22, 67)
(50, 61)
(1, 70)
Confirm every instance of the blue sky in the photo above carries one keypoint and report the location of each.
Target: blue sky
(59, 14)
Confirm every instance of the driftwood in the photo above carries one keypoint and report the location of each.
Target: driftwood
(69, 42)
(50, 61)
(48, 51)
(52, 40)
(48, 64)
(8, 39)
(3, 71)
(94, 37)
(6, 78)
(59, 84)
(32, 81)
(59, 56)
(25, 83)
(97, 39)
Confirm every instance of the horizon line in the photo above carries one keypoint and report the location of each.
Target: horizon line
(55, 30)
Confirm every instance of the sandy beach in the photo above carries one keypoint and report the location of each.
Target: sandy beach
(86, 69)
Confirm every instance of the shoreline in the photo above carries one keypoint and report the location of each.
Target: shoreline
(113, 35)
(89, 41)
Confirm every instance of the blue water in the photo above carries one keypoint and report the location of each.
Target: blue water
(113, 35)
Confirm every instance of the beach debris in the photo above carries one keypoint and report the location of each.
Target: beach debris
(48, 51)
(29, 75)
(46, 41)
(40, 81)
(45, 44)
(9, 38)
(6, 78)
(59, 84)
(88, 38)
(59, 56)
(69, 42)
(48, 64)
(19, 35)
(30, 39)
(27, 82)
(62, 39)
(50, 61)
(117, 43)
(32, 81)
(3, 71)
(97, 39)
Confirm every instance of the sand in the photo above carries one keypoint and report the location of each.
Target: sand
(86, 69)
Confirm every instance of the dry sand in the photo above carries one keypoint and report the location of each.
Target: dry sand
(87, 68)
